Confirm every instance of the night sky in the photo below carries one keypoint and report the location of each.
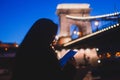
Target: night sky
(17, 16)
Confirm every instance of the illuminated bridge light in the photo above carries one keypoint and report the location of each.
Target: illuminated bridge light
(108, 55)
(104, 29)
(110, 14)
(6, 49)
(114, 25)
(16, 45)
(99, 31)
(117, 13)
(117, 24)
(74, 32)
(107, 28)
(117, 54)
(97, 49)
(99, 61)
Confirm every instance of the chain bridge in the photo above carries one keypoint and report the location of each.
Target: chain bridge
(89, 35)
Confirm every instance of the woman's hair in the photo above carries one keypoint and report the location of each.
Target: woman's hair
(42, 32)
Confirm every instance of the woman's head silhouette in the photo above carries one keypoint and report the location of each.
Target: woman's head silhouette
(42, 33)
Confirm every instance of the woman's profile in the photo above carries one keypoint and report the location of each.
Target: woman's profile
(35, 59)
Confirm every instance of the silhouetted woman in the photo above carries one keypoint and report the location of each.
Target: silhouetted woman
(35, 59)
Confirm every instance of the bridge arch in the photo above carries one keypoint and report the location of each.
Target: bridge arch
(80, 10)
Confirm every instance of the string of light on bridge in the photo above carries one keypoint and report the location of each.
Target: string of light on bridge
(92, 34)
(93, 17)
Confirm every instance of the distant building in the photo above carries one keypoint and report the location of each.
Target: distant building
(8, 49)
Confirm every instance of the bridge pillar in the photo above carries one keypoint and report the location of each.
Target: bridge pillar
(84, 27)
(78, 10)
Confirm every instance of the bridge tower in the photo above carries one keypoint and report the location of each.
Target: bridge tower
(78, 10)
(84, 27)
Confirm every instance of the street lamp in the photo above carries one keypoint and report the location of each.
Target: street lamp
(96, 25)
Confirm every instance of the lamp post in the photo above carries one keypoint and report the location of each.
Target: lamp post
(96, 25)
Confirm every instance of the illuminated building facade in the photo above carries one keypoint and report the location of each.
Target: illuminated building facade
(8, 49)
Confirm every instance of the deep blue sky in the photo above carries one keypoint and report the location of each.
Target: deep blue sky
(17, 16)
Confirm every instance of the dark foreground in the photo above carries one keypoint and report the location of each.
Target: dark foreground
(109, 69)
